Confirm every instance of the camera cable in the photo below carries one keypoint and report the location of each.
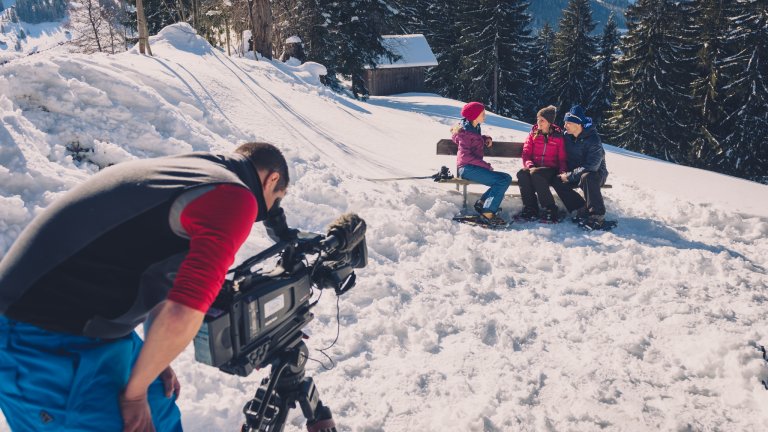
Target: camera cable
(338, 332)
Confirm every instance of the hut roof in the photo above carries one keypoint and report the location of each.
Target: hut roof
(413, 51)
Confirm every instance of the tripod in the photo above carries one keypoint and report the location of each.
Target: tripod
(278, 393)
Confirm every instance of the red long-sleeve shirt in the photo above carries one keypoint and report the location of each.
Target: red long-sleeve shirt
(217, 224)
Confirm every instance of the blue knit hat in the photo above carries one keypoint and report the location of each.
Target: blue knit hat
(577, 115)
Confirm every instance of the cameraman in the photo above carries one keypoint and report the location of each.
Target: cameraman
(148, 240)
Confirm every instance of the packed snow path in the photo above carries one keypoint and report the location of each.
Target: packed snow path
(653, 326)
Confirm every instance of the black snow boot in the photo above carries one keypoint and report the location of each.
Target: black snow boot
(579, 215)
(593, 222)
(527, 214)
(550, 215)
(480, 210)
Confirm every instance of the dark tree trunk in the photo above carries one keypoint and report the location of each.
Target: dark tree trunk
(261, 27)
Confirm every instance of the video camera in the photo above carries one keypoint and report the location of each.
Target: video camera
(258, 315)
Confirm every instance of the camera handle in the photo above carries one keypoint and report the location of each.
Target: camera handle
(286, 385)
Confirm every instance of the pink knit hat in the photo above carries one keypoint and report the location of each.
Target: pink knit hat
(472, 110)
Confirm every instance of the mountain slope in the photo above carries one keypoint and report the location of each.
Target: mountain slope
(22, 39)
(652, 326)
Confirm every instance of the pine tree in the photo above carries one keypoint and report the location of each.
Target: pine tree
(285, 22)
(160, 13)
(746, 94)
(313, 25)
(497, 43)
(573, 76)
(603, 94)
(540, 88)
(38, 11)
(443, 34)
(709, 28)
(653, 111)
(358, 39)
(343, 36)
(23, 10)
(407, 16)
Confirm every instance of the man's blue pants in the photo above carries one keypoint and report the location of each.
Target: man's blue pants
(498, 181)
(57, 382)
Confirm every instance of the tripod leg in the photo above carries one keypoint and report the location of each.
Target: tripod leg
(273, 418)
(262, 409)
(282, 415)
(323, 421)
(319, 418)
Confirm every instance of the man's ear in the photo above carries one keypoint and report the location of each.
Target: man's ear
(273, 178)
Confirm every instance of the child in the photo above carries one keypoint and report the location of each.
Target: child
(471, 166)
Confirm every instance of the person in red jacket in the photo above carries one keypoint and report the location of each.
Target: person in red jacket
(146, 241)
(544, 158)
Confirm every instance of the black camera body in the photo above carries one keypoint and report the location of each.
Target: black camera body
(258, 315)
(241, 326)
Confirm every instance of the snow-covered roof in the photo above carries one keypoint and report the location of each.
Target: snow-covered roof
(413, 50)
(293, 39)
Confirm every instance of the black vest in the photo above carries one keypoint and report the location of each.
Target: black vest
(97, 260)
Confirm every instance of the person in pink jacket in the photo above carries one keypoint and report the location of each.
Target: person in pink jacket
(544, 158)
(471, 166)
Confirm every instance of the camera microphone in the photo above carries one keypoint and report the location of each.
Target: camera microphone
(345, 233)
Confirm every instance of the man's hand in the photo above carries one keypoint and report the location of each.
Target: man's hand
(170, 382)
(276, 225)
(564, 177)
(172, 329)
(136, 414)
(533, 169)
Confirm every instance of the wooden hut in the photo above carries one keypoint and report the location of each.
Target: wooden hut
(405, 74)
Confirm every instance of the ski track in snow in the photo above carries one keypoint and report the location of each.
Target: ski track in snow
(653, 326)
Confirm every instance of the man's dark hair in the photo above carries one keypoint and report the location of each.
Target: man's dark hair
(267, 157)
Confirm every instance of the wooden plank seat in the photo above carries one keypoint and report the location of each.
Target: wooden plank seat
(501, 149)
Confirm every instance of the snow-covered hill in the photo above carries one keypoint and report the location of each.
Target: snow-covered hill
(22, 39)
(653, 326)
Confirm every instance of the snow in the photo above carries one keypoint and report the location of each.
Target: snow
(38, 37)
(653, 326)
(293, 39)
(413, 50)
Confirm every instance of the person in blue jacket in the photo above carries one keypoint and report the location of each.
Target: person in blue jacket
(586, 169)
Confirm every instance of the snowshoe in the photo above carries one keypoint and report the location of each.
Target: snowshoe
(550, 215)
(579, 215)
(478, 220)
(597, 223)
(528, 214)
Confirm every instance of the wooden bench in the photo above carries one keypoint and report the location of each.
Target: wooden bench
(501, 149)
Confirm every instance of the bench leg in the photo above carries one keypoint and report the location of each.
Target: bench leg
(465, 196)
